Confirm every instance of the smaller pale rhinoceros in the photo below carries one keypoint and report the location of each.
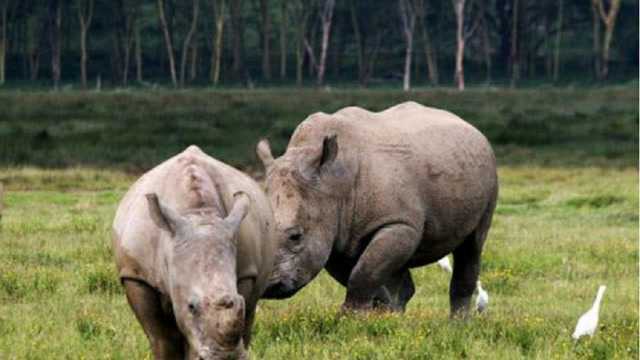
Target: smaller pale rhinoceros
(368, 196)
(193, 246)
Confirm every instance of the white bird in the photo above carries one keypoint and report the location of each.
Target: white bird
(444, 264)
(588, 322)
(482, 299)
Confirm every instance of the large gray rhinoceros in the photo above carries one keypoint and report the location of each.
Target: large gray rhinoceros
(193, 243)
(368, 196)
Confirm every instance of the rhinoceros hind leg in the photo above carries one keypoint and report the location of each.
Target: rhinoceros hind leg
(387, 254)
(466, 266)
(166, 340)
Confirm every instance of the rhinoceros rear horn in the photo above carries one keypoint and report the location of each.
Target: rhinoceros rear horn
(264, 153)
(239, 210)
(164, 216)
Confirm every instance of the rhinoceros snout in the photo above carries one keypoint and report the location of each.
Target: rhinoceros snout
(229, 327)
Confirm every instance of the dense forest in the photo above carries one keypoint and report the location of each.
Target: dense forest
(317, 42)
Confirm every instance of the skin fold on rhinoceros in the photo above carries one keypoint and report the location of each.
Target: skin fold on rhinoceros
(368, 196)
(193, 244)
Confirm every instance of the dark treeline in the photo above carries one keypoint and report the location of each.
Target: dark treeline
(268, 42)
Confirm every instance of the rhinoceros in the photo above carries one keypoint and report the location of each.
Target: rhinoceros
(368, 196)
(193, 244)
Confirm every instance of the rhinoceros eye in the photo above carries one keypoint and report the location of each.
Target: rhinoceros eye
(295, 235)
(193, 307)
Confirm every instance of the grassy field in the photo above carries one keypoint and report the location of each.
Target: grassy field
(566, 222)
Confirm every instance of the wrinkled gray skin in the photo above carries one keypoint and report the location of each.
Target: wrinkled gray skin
(368, 196)
(193, 243)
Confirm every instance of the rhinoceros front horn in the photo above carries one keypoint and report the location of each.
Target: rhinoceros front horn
(264, 153)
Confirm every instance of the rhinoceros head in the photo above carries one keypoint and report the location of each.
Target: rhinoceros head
(304, 187)
(202, 277)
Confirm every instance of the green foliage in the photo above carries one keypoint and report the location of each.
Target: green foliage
(134, 131)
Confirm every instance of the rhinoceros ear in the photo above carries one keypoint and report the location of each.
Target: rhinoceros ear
(239, 210)
(264, 153)
(321, 158)
(329, 150)
(164, 216)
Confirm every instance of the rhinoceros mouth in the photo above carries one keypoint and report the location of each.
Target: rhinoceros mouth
(280, 290)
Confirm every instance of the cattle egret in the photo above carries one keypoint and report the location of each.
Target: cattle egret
(482, 300)
(588, 322)
(444, 264)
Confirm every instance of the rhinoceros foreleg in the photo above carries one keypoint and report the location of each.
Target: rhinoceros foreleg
(166, 340)
(245, 288)
(387, 253)
(400, 290)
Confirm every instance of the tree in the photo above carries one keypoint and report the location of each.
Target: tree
(300, 16)
(284, 27)
(237, 37)
(368, 33)
(461, 37)
(216, 55)
(85, 15)
(168, 42)
(35, 26)
(326, 17)
(187, 41)
(55, 40)
(514, 58)
(266, 39)
(129, 13)
(556, 57)
(609, 20)
(408, 17)
(4, 37)
(432, 65)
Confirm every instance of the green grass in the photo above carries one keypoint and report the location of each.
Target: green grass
(566, 222)
(134, 130)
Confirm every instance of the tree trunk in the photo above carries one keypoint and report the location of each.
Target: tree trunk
(327, 18)
(266, 39)
(284, 25)
(371, 62)
(486, 49)
(458, 6)
(408, 17)
(55, 37)
(300, 17)
(596, 40)
(556, 57)
(187, 41)
(138, 54)
(168, 43)
(193, 72)
(609, 20)
(34, 30)
(217, 42)
(85, 15)
(237, 34)
(129, 14)
(358, 39)
(4, 17)
(432, 65)
(515, 54)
